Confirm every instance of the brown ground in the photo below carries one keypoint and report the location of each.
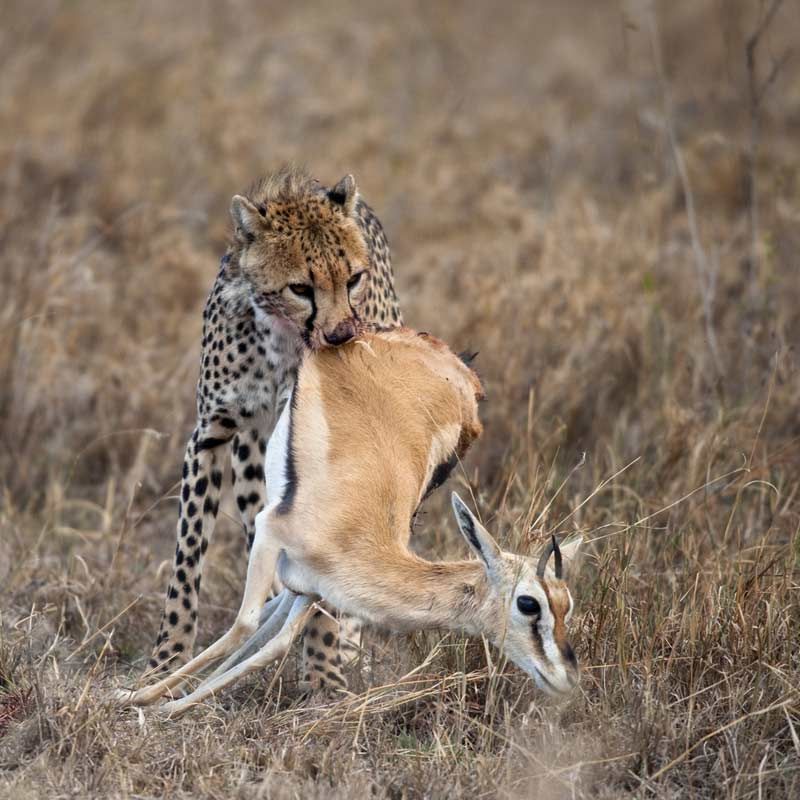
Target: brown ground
(519, 158)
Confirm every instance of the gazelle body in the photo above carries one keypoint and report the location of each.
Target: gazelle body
(371, 427)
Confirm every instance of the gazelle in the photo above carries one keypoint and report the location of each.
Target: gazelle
(372, 426)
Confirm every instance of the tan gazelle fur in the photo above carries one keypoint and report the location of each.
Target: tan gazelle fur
(371, 427)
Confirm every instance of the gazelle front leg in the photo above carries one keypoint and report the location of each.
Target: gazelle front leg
(260, 572)
(273, 650)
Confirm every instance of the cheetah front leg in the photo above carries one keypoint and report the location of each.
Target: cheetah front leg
(197, 511)
(247, 466)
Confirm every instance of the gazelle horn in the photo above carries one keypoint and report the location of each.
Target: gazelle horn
(551, 549)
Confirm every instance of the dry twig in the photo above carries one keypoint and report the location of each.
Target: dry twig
(756, 93)
(705, 271)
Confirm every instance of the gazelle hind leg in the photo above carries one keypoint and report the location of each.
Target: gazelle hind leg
(271, 621)
(274, 649)
(260, 571)
(247, 466)
(173, 682)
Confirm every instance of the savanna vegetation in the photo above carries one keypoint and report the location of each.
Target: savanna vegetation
(602, 198)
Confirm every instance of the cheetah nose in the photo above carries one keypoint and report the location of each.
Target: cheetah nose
(342, 333)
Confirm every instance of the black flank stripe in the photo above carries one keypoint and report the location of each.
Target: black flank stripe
(285, 506)
(440, 475)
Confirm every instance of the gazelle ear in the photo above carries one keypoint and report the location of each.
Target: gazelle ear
(248, 218)
(345, 194)
(478, 538)
(569, 550)
(570, 553)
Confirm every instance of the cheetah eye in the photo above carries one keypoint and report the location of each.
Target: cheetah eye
(301, 289)
(356, 279)
(528, 605)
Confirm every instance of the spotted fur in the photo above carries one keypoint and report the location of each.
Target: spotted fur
(308, 267)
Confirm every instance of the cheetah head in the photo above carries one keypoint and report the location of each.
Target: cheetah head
(304, 256)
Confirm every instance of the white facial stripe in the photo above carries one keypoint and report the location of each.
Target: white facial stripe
(549, 643)
(545, 625)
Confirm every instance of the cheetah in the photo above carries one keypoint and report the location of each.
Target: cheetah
(307, 267)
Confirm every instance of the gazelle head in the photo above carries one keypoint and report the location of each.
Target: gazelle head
(528, 604)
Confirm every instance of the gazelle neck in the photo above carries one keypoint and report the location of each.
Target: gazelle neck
(408, 593)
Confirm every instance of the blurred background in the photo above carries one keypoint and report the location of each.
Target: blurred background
(602, 198)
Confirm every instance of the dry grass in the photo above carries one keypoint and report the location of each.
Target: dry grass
(520, 162)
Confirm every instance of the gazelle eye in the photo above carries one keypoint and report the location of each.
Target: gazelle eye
(355, 279)
(528, 605)
(302, 289)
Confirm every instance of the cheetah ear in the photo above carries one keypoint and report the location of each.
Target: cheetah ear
(345, 194)
(248, 218)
